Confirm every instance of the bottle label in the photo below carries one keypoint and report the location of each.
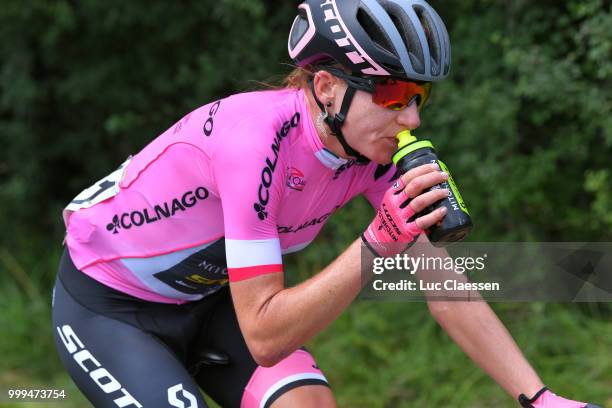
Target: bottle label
(453, 187)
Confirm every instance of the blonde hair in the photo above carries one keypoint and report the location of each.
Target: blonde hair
(297, 78)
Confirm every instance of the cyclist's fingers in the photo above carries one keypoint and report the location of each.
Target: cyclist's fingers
(423, 182)
(407, 177)
(422, 201)
(430, 219)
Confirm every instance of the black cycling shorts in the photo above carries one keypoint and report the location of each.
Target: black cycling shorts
(126, 352)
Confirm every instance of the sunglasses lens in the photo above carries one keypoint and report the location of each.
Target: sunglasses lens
(397, 95)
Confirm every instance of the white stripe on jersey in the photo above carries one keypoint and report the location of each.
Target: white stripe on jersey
(244, 253)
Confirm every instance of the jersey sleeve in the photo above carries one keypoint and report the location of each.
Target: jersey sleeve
(381, 178)
(248, 172)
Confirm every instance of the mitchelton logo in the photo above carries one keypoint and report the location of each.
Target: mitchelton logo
(138, 218)
(267, 172)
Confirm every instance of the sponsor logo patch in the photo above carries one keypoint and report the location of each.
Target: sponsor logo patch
(295, 179)
(138, 218)
(267, 172)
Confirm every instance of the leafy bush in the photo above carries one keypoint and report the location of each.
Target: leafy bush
(524, 123)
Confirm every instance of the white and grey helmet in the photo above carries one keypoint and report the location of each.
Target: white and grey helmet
(403, 39)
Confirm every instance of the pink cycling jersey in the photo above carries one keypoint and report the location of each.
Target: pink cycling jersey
(218, 197)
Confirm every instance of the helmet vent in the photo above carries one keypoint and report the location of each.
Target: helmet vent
(373, 30)
(300, 26)
(391, 67)
(403, 39)
(408, 33)
(433, 39)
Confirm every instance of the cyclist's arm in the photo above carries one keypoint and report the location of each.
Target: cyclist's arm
(472, 325)
(275, 320)
(482, 336)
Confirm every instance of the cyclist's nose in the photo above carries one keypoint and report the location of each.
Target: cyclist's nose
(409, 117)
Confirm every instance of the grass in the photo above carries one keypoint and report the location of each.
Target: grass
(395, 355)
(377, 354)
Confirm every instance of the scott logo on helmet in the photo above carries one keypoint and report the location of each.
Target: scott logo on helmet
(137, 218)
(345, 40)
(267, 173)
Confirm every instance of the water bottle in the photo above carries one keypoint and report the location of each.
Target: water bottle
(457, 223)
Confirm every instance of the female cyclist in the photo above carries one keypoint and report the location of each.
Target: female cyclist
(172, 279)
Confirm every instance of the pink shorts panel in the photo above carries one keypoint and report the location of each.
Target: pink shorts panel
(269, 383)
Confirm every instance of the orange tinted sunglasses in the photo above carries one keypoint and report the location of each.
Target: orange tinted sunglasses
(389, 93)
(397, 95)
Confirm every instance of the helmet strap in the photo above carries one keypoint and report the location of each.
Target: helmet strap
(335, 123)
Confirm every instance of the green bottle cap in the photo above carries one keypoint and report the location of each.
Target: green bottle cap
(404, 138)
(408, 144)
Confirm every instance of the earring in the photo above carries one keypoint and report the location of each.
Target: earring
(329, 104)
(320, 120)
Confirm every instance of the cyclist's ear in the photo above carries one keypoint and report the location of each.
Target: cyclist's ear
(326, 86)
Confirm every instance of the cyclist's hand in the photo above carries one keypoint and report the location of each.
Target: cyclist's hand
(546, 399)
(394, 229)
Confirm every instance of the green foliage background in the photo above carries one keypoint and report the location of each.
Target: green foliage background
(524, 122)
